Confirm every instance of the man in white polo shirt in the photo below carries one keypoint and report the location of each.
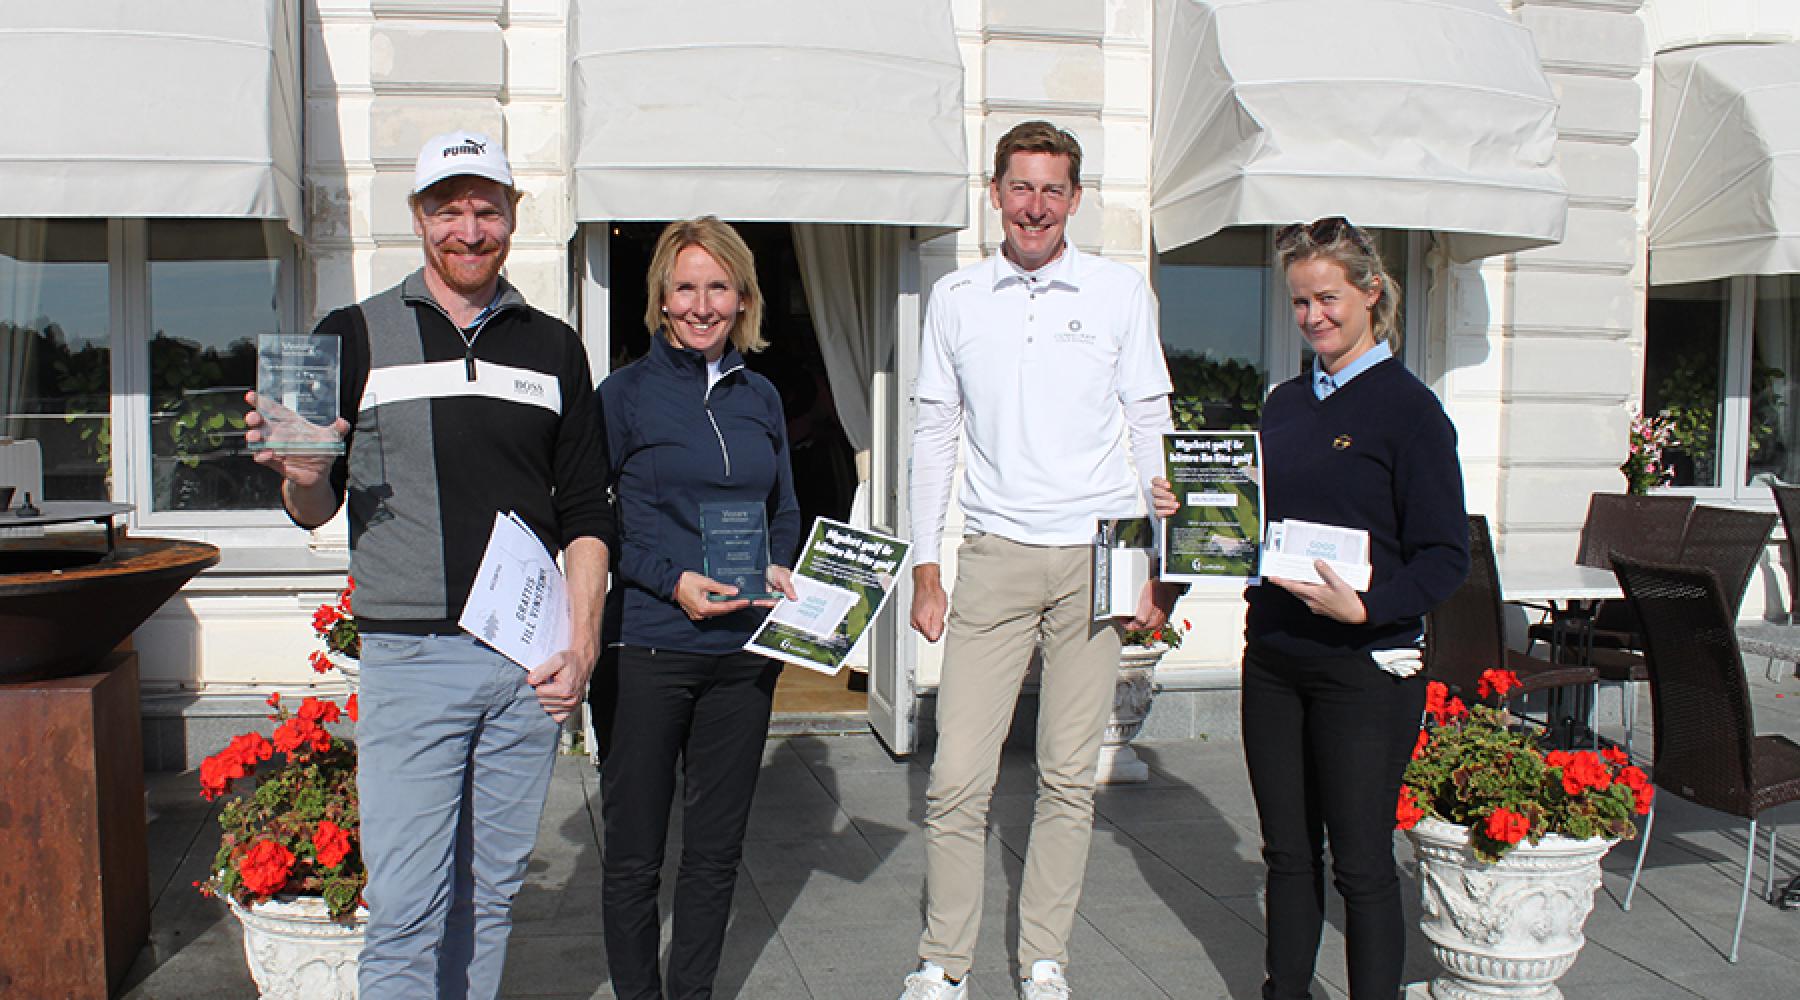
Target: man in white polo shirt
(1050, 359)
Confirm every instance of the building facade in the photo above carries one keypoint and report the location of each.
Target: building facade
(1563, 266)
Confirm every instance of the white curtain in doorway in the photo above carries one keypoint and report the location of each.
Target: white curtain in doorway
(852, 279)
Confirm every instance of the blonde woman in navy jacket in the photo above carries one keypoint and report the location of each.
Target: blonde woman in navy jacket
(685, 425)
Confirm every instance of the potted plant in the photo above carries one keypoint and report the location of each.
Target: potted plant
(1509, 838)
(1646, 466)
(1140, 650)
(335, 625)
(289, 863)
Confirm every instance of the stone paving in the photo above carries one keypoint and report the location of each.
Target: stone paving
(828, 905)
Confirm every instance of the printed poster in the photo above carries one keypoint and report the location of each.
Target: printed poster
(843, 577)
(1215, 537)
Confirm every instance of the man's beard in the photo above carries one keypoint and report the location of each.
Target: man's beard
(468, 278)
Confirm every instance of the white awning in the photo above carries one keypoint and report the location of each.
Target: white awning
(769, 111)
(177, 108)
(1402, 114)
(1725, 163)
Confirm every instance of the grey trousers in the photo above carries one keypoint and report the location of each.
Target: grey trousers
(1009, 599)
(454, 757)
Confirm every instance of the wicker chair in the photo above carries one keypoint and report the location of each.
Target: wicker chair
(1707, 750)
(1466, 634)
(1730, 543)
(1642, 527)
(1787, 502)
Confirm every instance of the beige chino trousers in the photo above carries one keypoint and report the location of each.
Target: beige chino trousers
(1009, 599)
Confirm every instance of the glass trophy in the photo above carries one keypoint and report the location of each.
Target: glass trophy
(734, 549)
(297, 376)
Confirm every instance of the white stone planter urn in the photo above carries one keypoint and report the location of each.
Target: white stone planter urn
(297, 952)
(1508, 929)
(349, 666)
(1119, 763)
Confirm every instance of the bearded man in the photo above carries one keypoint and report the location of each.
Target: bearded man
(465, 402)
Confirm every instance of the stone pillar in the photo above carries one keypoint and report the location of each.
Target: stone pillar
(1567, 321)
(384, 75)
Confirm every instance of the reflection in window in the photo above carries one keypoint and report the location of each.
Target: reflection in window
(214, 286)
(55, 357)
(1211, 296)
(1775, 348)
(1684, 373)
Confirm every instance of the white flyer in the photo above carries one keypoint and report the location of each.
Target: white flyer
(519, 603)
(1292, 546)
(819, 609)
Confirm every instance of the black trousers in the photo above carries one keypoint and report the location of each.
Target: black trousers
(710, 714)
(1327, 741)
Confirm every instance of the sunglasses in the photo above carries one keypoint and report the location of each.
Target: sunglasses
(1323, 233)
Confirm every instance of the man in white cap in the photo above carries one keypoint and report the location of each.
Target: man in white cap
(461, 402)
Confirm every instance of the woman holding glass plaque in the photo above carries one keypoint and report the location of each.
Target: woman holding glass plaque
(697, 445)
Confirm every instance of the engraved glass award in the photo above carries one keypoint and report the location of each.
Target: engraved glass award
(734, 549)
(297, 377)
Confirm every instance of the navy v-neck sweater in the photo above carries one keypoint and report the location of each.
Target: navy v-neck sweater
(1378, 454)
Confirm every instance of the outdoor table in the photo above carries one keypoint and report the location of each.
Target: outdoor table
(1562, 587)
(1531, 580)
(68, 512)
(1771, 639)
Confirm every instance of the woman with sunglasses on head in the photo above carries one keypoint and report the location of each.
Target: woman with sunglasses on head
(1332, 692)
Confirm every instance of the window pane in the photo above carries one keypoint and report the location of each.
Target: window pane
(1211, 296)
(1774, 393)
(1684, 357)
(55, 354)
(214, 286)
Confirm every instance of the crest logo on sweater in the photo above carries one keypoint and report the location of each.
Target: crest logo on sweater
(1341, 442)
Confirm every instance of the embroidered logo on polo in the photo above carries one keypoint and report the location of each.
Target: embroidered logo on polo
(1074, 334)
(1341, 442)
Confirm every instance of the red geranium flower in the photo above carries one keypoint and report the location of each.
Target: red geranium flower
(1583, 770)
(350, 708)
(1407, 814)
(1495, 683)
(1423, 742)
(1642, 791)
(315, 710)
(1506, 826)
(1614, 756)
(320, 662)
(331, 844)
(265, 867)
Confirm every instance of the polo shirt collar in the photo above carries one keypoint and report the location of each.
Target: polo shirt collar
(1367, 360)
(1061, 271)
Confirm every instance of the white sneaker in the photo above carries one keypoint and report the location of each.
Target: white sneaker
(1046, 982)
(930, 983)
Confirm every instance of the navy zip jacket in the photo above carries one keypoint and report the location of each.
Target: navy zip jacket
(673, 445)
(1379, 454)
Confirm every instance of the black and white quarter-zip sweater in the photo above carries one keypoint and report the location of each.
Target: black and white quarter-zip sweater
(449, 427)
(674, 444)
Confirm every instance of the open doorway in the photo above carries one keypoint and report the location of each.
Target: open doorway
(824, 463)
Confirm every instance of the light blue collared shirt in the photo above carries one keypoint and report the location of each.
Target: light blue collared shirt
(1324, 384)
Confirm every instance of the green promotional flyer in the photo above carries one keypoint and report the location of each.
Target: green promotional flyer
(843, 577)
(1216, 535)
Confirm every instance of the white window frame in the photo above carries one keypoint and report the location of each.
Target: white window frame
(128, 274)
(1734, 410)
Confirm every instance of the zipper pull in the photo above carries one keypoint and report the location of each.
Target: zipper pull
(469, 362)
